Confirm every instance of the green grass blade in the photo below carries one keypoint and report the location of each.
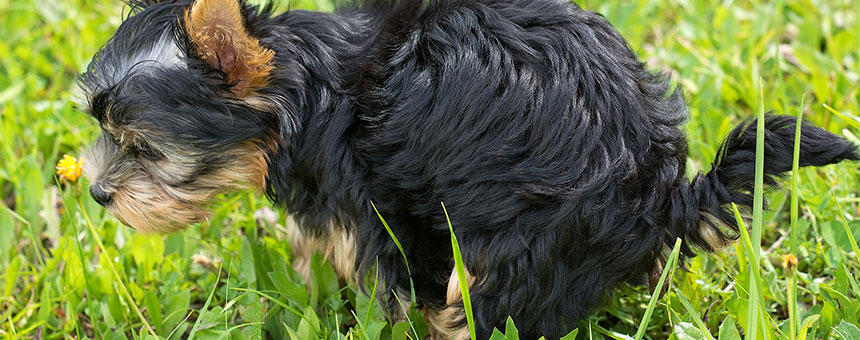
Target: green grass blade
(406, 314)
(461, 275)
(361, 326)
(612, 334)
(755, 279)
(792, 280)
(405, 260)
(31, 233)
(693, 314)
(400, 248)
(655, 295)
(853, 282)
(84, 270)
(393, 237)
(795, 165)
(847, 229)
(372, 292)
(178, 326)
(792, 305)
(758, 198)
(258, 323)
(851, 120)
(123, 289)
(205, 307)
(272, 299)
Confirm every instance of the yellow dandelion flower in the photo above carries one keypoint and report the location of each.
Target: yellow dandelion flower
(69, 169)
(789, 262)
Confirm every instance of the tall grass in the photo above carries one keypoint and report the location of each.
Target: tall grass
(791, 261)
(69, 270)
(671, 262)
(755, 250)
(461, 277)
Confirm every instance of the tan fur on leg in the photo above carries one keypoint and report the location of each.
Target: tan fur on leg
(337, 246)
(301, 262)
(441, 321)
(454, 294)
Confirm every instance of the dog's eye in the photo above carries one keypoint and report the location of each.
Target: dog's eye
(147, 152)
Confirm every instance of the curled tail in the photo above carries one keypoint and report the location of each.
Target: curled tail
(700, 211)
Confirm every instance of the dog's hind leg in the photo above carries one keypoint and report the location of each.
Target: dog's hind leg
(449, 322)
(544, 296)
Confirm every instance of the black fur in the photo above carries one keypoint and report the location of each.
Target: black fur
(560, 158)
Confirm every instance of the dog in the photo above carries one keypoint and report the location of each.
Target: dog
(559, 156)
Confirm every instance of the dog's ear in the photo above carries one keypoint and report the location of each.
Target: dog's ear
(217, 30)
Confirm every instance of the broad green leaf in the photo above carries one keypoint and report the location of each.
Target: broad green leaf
(729, 330)
(571, 335)
(497, 335)
(511, 331)
(847, 331)
(688, 331)
(400, 330)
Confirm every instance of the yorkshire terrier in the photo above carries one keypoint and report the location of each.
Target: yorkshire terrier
(559, 157)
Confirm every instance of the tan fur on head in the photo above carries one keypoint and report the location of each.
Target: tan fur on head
(144, 202)
(148, 208)
(217, 30)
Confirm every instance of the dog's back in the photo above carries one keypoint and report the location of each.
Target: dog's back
(544, 136)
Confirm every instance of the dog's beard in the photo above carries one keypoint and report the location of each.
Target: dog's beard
(141, 200)
(148, 207)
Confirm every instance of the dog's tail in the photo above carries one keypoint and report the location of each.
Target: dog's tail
(700, 211)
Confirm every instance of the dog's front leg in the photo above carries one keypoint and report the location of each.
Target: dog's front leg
(336, 245)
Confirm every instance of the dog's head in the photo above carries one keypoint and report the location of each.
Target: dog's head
(179, 93)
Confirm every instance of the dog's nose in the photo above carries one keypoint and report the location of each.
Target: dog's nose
(99, 195)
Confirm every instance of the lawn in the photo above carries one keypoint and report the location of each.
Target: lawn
(71, 271)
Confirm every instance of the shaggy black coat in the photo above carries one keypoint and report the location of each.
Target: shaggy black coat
(559, 157)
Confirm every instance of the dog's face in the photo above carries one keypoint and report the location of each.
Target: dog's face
(175, 94)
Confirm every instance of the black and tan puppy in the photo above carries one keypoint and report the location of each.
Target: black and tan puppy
(560, 158)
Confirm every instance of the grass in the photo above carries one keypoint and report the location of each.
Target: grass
(70, 271)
